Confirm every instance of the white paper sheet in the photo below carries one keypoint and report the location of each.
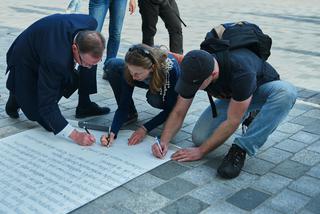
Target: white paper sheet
(43, 173)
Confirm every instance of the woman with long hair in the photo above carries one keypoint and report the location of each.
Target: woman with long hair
(151, 68)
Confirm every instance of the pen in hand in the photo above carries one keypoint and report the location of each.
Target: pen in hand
(108, 137)
(158, 143)
(85, 128)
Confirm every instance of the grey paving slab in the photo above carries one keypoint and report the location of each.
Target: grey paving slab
(313, 128)
(271, 183)
(314, 113)
(143, 183)
(146, 202)
(243, 181)
(296, 111)
(305, 137)
(212, 192)
(288, 201)
(289, 128)
(290, 145)
(117, 210)
(175, 188)
(307, 157)
(222, 207)
(315, 99)
(303, 120)
(291, 169)
(248, 199)
(115, 197)
(257, 166)
(277, 136)
(315, 171)
(168, 170)
(274, 155)
(303, 106)
(306, 93)
(307, 185)
(88, 209)
(304, 211)
(185, 205)
(314, 147)
(200, 175)
(265, 210)
(314, 205)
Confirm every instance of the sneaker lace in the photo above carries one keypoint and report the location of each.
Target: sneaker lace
(235, 156)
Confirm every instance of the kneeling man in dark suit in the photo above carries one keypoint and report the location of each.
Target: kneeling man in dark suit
(41, 69)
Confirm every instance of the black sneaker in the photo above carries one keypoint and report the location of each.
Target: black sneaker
(232, 163)
(92, 110)
(133, 117)
(12, 108)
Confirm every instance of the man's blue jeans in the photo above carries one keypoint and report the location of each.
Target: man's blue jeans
(274, 100)
(117, 9)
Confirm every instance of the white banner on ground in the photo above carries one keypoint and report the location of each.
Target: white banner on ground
(43, 173)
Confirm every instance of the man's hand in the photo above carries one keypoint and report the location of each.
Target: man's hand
(189, 154)
(137, 136)
(82, 138)
(157, 152)
(107, 141)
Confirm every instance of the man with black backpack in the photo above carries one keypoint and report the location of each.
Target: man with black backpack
(242, 83)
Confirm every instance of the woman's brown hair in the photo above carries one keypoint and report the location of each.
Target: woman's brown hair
(149, 58)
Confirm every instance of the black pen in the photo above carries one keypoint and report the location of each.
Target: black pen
(85, 128)
(108, 137)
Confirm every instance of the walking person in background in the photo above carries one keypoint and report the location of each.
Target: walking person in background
(74, 6)
(146, 67)
(168, 11)
(117, 9)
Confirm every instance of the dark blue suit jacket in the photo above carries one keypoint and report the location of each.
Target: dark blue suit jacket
(41, 63)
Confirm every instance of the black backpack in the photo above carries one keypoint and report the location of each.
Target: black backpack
(230, 36)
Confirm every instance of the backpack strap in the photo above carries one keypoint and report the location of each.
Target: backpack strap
(213, 106)
(224, 63)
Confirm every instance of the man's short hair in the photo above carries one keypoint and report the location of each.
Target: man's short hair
(91, 42)
(196, 66)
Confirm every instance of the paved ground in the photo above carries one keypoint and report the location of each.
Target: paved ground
(285, 175)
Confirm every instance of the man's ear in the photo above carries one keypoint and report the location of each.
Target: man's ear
(74, 47)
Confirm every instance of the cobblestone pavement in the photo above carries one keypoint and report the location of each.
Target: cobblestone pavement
(284, 177)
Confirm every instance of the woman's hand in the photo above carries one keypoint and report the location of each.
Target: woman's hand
(107, 141)
(137, 136)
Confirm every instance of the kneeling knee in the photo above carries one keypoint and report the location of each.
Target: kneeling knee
(198, 138)
(114, 65)
(289, 98)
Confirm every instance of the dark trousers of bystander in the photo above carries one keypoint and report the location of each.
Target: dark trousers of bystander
(168, 11)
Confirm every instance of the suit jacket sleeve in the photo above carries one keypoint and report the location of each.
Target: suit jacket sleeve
(50, 82)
